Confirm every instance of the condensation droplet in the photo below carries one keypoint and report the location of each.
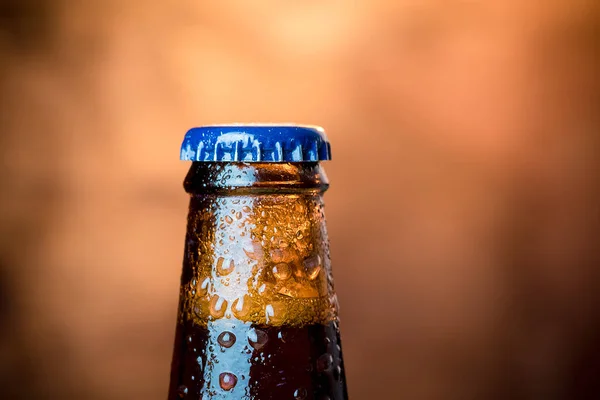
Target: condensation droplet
(241, 307)
(218, 305)
(203, 289)
(246, 209)
(200, 362)
(312, 266)
(226, 339)
(224, 269)
(228, 219)
(300, 394)
(324, 362)
(282, 271)
(276, 255)
(182, 391)
(257, 338)
(280, 336)
(299, 235)
(238, 215)
(269, 312)
(337, 373)
(227, 380)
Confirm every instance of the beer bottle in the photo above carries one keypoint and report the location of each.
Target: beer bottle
(258, 311)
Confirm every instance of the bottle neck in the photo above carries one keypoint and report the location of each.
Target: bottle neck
(244, 178)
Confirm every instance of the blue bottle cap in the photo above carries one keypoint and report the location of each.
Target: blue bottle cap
(256, 143)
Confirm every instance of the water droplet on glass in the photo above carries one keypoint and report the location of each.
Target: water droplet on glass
(282, 271)
(241, 307)
(238, 215)
(300, 394)
(182, 391)
(324, 362)
(299, 235)
(276, 255)
(269, 312)
(227, 380)
(312, 266)
(226, 339)
(257, 338)
(218, 305)
(204, 287)
(280, 336)
(337, 373)
(246, 209)
(228, 219)
(223, 268)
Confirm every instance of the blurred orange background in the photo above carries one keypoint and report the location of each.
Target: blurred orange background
(463, 212)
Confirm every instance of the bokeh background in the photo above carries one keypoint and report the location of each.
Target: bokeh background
(464, 208)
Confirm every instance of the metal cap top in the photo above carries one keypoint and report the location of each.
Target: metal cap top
(256, 143)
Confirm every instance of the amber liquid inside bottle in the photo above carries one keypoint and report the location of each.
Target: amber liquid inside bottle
(258, 311)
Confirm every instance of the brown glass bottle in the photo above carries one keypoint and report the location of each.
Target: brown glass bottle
(258, 311)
